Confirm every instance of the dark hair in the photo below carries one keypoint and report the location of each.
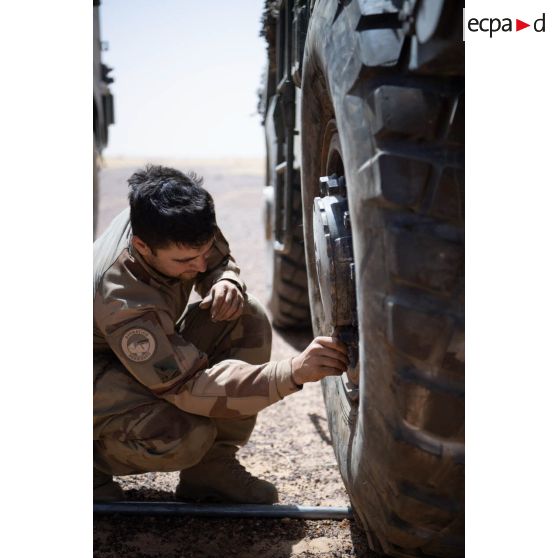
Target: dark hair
(168, 206)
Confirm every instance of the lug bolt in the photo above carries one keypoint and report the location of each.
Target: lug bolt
(336, 186)
(323, 185)
(332, 185)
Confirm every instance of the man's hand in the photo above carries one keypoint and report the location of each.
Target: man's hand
(226, 301)
(325, 356)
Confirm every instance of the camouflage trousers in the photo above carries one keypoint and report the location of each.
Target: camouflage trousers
(154, 435)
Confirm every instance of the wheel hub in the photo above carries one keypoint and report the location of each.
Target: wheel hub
(334, 259)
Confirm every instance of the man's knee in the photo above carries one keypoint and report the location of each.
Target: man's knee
(253, 307)
(253, 332)
(159, 445)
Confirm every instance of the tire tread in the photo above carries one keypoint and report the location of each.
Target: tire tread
(417, 163)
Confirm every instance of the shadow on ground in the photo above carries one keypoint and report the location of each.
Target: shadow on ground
(320, 424)
(360, 543)
(183, 537)
(170, 537)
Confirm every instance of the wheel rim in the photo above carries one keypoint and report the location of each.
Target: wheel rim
(331, 163)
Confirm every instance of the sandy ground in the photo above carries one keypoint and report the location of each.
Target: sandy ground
(290, 445)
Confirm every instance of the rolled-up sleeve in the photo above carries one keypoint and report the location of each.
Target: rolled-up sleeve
(140, 331)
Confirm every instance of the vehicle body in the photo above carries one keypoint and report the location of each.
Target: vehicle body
(103, 105)
(363, 110)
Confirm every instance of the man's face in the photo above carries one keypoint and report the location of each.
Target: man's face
(176, 260)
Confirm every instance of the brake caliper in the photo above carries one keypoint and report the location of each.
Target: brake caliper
(333, 247)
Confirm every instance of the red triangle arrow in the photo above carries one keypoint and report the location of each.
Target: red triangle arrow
(519, 25)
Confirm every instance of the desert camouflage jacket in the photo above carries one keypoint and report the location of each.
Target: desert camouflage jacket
(136, 311)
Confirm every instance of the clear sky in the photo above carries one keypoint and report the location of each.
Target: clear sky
(186, 77)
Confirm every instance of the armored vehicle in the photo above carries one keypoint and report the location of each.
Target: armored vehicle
(103, 108)
(363, 110)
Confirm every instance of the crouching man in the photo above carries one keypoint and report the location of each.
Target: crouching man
(177, 387)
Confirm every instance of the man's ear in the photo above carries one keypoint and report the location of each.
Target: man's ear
(141, 246)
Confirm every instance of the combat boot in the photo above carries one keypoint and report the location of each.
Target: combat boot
(105, 489)
(219, 477)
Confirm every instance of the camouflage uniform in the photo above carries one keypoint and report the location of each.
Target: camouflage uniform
(168, 382)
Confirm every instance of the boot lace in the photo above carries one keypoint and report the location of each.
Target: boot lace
(239, 473)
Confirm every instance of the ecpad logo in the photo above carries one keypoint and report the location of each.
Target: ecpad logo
(494, 24)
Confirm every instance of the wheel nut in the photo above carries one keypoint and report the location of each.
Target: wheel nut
(332, 185)
(323, 185)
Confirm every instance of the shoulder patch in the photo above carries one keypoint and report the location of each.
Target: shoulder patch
(138, 344)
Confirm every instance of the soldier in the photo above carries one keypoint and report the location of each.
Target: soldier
(177, 387)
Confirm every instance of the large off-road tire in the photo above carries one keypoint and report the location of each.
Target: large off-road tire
(287, 278)
(385, 109)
